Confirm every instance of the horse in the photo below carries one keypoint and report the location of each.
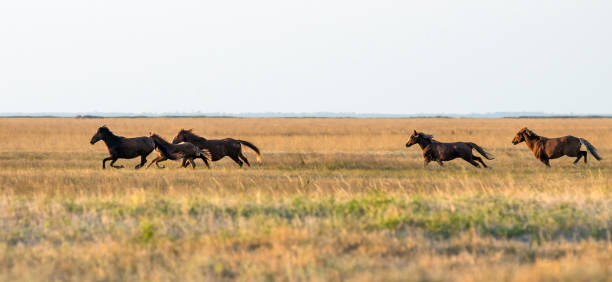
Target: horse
(185, 150)
(439, 152)
(218, 148)
(121, 147)
(546, 149)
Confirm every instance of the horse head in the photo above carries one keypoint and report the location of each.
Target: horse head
(102, 131)
(522, 135)
(417, 137)
(181, 136)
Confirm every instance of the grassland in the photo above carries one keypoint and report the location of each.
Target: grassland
(335, 199)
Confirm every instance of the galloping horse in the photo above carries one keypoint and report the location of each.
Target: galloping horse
(218, 148)
(187, 151)
(439, 152)
(123, 148)
(546, 149)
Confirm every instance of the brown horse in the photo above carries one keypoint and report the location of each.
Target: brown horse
(187, 151)
(218, 148)
(439, 152)
(546, 149)
(123, 148)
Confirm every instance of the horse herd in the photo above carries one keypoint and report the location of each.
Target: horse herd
(188, 146)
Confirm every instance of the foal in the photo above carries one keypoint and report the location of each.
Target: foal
(218, 148)
(439, 152)
(546, 149)
(187, 151)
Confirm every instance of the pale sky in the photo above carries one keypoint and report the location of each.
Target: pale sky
(395, 57)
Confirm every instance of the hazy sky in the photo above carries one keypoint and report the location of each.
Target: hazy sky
(402, 57)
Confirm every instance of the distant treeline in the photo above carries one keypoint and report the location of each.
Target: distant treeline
(509, 115)
(562, 117)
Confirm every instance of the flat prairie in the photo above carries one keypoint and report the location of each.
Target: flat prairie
(334, 199)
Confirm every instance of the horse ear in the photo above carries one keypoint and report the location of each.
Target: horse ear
(190, 130)
(414, 132)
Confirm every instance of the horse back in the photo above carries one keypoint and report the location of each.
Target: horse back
(135, 146)
(218, 148)
(557, 147)
(447, 151)
(184, 149)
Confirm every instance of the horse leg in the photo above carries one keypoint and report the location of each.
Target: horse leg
(104, 162)
(585, 157)
(205, 162)
(184, 163)
(580, 155)
(479, 159)
(143, 161)
(112, 164)
(160, 160)
(237, 160)
(155, 161)
(440, 163)
(472, 162)
(192, 161)
(546, 162)
(244, 158)
(425, 162)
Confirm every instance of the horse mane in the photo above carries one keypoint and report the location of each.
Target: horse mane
(189, 133)
(426, 136)
(110, 138)
(539, 151)
(530, 133)
(159, 139)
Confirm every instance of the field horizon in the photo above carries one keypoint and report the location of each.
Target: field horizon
(334, 199)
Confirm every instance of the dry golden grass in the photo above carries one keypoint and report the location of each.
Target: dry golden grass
(335, 199)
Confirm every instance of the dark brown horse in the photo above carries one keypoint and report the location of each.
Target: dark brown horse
(186, 151)
(218, 148)
(546, 149)
(439, 152)
(123, 148)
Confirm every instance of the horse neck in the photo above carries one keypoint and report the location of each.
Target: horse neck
(160, 140)
(532, 141)
(111, 140)
(190, 137)
(423, 143)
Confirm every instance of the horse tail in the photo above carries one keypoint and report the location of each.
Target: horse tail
(250, 145)
(205, 154)
(163, 150)
(591, 149)
(480, 150)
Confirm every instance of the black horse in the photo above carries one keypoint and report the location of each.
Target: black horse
(121, 147)
(439, 152)
(218, 148)
(185, 150)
